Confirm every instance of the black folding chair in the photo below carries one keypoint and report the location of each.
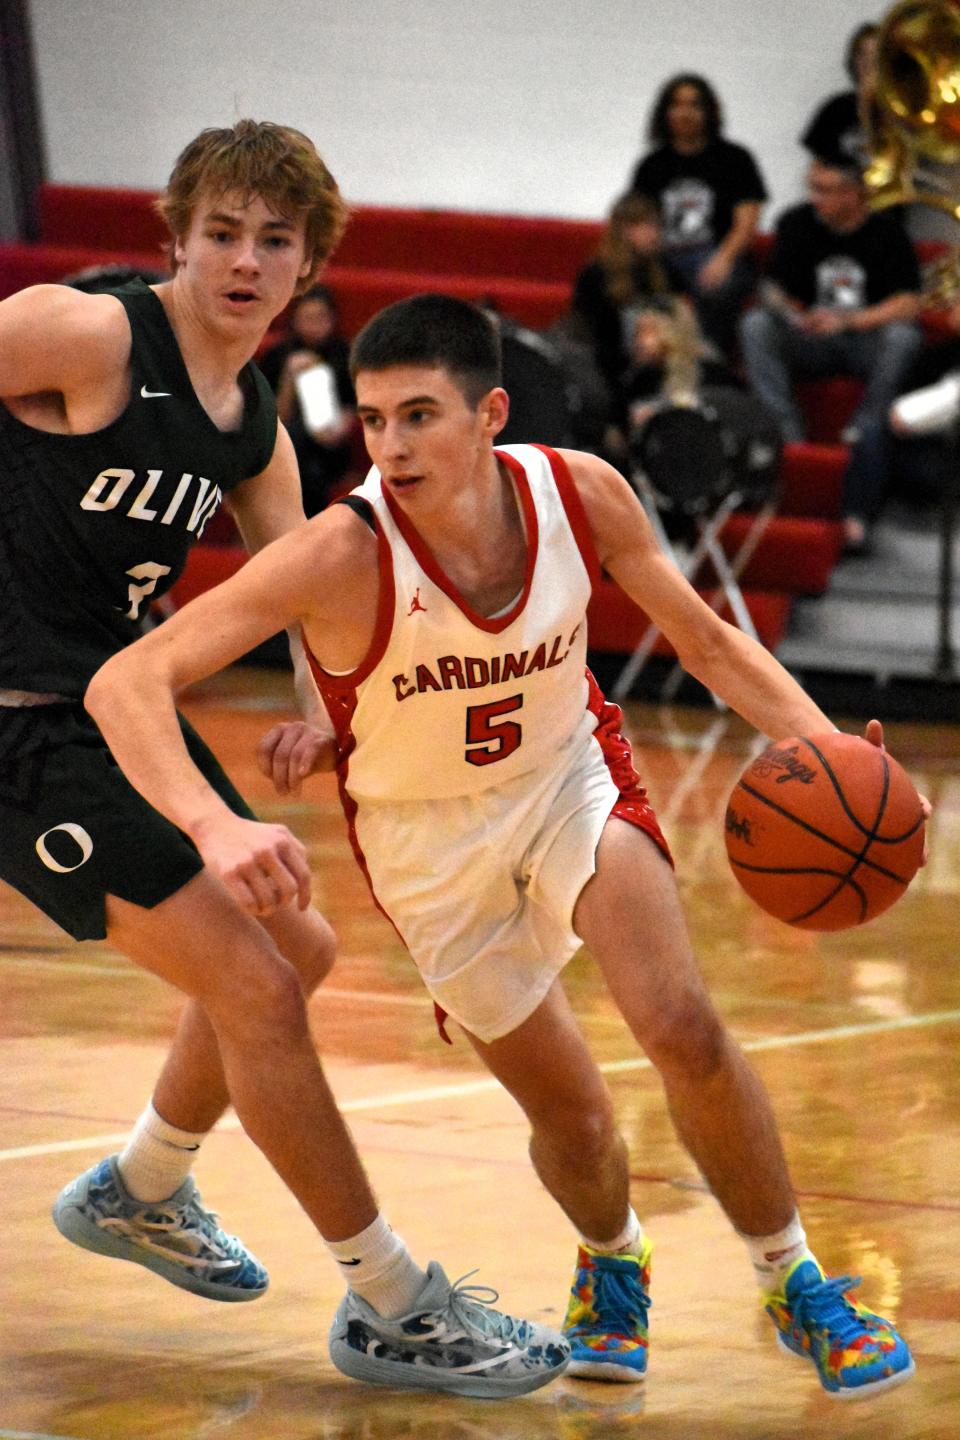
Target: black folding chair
(693, 465)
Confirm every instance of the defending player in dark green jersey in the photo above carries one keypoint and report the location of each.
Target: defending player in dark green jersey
(125, 419)
(96, 525)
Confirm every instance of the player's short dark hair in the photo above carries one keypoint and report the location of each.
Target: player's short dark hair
(658, 130)
(433, 330)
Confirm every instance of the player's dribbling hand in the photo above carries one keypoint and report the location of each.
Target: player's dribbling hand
(263, 866)
(874, 734)
(291, 751)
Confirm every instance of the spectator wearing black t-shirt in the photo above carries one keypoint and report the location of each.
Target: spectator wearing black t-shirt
(841, 298)
(836, 132)
(710, 193)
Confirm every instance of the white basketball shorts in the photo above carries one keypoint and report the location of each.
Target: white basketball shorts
(482, 888)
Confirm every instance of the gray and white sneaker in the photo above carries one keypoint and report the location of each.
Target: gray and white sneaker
(176, 1238)
(451, 1340)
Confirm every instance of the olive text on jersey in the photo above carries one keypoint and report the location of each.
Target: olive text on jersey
(194, 499)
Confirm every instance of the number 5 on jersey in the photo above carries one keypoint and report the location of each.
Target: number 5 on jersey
(492, 738)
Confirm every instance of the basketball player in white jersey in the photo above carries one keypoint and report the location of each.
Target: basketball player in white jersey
(494, 807)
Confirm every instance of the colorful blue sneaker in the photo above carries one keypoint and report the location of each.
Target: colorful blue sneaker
(606, 1320)
(176, 1238)
(450, 1340)
(857, 1353)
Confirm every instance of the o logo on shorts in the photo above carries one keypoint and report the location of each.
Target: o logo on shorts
(76, 833)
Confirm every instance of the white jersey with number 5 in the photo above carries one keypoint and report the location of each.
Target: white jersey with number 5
(448, 702)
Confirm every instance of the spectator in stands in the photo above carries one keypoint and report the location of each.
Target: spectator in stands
(710, 193)
(837, 131)
(642, 330)
(324, 450)
(841, 298)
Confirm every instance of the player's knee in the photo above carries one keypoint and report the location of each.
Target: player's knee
(315, 957)
(688, 1043)
(584, 1127)
(307, 942)
(263, 1000)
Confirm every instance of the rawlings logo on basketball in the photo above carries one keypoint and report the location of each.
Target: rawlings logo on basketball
(740, 827)
(788, 761)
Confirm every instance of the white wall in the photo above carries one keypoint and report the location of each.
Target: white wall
(525, 106)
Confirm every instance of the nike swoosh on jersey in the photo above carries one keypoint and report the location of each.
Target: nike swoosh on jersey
(154, 394)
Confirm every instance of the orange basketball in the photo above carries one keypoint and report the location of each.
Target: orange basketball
(824, 833)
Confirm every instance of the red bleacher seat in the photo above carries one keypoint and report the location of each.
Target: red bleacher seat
(454, 242)
(795, 553)
(811, 480)
(360, 293)
(827, 406)
(207, 565)
(99, 217)
(616, 624)
(23, 265)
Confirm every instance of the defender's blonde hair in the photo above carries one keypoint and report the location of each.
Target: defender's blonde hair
(258, 158)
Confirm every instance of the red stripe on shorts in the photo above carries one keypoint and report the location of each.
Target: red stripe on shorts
(632, 804)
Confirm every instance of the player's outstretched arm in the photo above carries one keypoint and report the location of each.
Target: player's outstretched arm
(132, 699)
(264, 508)
(731, 664)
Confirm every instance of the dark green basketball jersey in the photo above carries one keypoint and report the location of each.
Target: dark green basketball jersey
(94, 527)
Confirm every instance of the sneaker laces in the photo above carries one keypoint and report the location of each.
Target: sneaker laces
(826, 1306)
(620, 1302)
(190, 1222)
(471, 1306)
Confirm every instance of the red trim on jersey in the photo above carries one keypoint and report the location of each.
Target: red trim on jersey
(386, 603)
(428, 564)
(632, 804)
(576, 514)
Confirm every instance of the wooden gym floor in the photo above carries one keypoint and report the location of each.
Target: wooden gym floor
(855, 1035)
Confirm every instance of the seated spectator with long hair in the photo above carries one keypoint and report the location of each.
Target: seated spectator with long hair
(644, 334)
(710, 193)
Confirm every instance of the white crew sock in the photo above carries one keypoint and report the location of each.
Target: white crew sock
(377, 1266)
(772, 1255)
(628, 1242)
(158, 1157)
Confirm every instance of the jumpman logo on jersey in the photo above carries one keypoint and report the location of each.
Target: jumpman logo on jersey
(415, 604)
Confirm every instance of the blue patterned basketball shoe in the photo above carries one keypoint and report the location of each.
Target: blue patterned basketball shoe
(857, 1353)
(451, 1340)
(176, 1238)
(606, 1321)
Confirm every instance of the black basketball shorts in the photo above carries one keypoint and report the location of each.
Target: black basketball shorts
(74, 830)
